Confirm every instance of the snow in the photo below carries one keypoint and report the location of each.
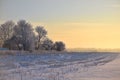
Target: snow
(67, 66)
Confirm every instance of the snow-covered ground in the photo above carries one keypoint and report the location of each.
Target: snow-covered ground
(67, 66)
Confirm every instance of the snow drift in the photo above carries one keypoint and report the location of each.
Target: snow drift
(73, 66)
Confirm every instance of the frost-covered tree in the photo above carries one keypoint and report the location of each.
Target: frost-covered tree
(11, 44)
(1, 41)
(6, 30)
(47, 44)
(21, 36)
(59, 46)
(24, 32)
(41, 33)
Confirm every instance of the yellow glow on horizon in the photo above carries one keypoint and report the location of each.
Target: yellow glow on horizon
(85, 35)
(78, 23)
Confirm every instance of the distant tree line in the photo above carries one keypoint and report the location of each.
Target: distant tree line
(22, 36)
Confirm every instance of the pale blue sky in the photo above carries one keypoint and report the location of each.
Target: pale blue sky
(56, 10)
(78, 23)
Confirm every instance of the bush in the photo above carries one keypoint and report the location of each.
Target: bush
(59, 46)
(46, 45)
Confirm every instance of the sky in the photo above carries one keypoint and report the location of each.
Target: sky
(78, 23)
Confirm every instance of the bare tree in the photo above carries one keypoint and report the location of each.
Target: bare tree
(6, 30)
(59, 46)
(41, 33)
(24, 32)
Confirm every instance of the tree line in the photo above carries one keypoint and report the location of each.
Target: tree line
(22, 36)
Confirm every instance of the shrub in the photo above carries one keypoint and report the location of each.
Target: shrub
(59, 46)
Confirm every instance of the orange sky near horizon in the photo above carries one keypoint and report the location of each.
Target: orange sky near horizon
(85, 35)
(78, 23)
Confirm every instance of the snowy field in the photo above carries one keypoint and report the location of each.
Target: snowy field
(72, 66)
